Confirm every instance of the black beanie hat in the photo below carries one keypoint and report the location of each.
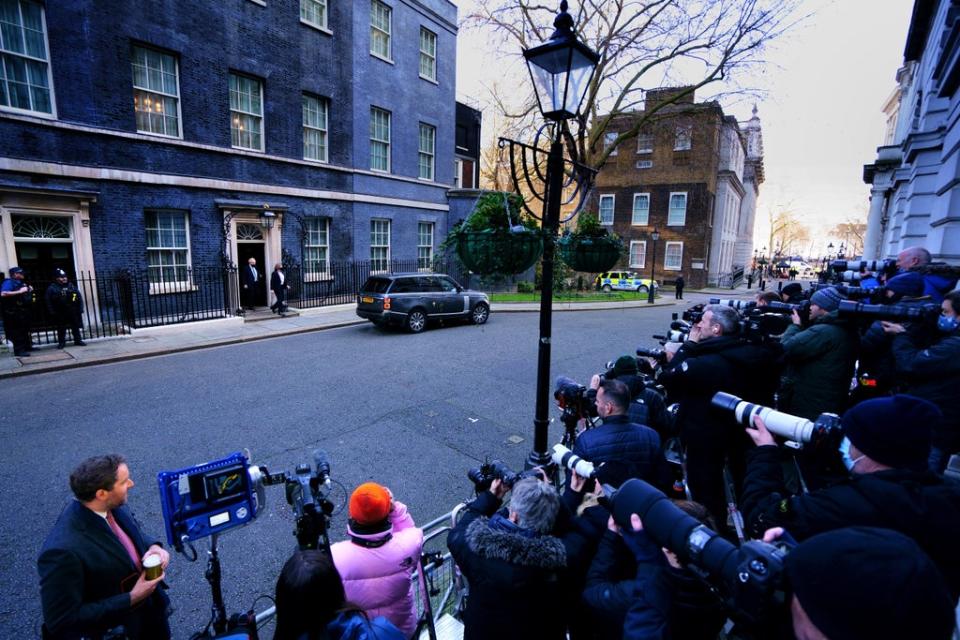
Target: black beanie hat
(865, 582)
(792, 289)
(895, 430)
(624, 366)
(909, 283)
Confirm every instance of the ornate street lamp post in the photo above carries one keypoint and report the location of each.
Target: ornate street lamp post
(561, 70)
(654, 235)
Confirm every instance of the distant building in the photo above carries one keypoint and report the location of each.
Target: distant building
(466, 174)
(687, 175)
(915, 179)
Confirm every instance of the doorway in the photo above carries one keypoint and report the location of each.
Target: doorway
(255, 250)
(38, 260)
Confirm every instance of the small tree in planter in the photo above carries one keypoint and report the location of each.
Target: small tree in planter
(497, 239)
(591, 247)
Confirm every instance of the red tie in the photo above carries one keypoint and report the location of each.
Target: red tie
(124, 540)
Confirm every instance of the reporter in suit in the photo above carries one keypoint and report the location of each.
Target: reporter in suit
(279, 286)
(91, 575)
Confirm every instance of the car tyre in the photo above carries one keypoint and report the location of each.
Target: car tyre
(642, 289)
(607, 288)
(480, 313)
(416, 321)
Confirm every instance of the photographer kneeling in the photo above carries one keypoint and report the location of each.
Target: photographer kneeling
(885, 449)
(516, 570)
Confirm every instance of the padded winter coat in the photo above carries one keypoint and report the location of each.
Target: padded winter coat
(619, 439)
(377, 578)
(933, 374)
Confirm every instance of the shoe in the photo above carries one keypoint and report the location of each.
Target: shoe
(81, 343)
(61, 345)
(21, 354)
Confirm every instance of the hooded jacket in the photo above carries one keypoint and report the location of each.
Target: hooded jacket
(820, 361)
(377, 578)
(517, 583)
(939, 279)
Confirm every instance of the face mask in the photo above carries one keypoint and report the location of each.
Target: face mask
(848, 462)
(948, 324)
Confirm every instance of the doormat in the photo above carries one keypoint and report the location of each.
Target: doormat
(39, 358)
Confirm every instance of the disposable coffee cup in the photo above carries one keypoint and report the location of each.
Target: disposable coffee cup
(151, 567)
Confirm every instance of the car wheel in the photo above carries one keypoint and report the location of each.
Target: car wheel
(480, 313)
(416, 321)
(642, 289)
(607, 288)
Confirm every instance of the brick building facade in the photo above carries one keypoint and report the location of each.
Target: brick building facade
(167, 136)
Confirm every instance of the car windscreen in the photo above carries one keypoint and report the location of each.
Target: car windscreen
(376, 285)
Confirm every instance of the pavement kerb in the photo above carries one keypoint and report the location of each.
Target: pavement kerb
(500, 307)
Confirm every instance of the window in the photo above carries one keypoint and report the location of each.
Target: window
(638, 254)
(25, 82)
(379, 139)
(645, 143)
(168, 248)
(641, 209)
(677, 216)
(156, 92)
(424, 245)
(314, 13)
(673, 259)
(379, 245)
(684, 137)
(315, 112)
(428, 54)
(428, 136)
(608, 139)
(644, 164)
(606, 209)
(246, 113)
(316, 247)
(380, 29)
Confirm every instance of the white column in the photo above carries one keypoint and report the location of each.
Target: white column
(871, 240)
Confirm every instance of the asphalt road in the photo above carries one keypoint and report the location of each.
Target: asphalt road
(413, 412)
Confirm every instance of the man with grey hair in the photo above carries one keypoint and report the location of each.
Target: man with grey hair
(517, 571)
(716, 358)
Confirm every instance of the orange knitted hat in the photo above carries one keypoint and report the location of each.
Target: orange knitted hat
(370, 503)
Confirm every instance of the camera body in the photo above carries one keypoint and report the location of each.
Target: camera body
(485, 474)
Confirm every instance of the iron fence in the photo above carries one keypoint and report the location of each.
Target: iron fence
(199, 293)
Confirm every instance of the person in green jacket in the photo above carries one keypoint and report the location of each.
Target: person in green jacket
(819, 359)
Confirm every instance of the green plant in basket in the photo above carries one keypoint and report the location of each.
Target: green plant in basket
(591, 247)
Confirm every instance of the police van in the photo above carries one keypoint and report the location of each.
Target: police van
(624, 281)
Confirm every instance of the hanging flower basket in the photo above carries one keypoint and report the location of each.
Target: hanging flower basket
(592, 254)
(499, 251)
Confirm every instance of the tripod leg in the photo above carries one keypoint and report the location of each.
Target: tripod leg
(213, 575)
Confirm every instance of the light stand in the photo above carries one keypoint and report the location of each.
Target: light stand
(654, 235)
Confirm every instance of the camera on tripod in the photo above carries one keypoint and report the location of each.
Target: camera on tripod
(826, 432)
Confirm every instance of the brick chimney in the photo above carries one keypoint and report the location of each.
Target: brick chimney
(663, 94)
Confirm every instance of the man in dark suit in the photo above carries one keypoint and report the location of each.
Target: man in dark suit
(91, 577)
(279, 286)
(249, 284)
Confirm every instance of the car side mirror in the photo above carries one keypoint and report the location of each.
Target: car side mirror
(459, 289)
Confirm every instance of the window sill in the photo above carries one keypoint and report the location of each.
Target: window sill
(380, 57)
(672, 268)
(644, 150)
(27, 112)
(639, 224)
(681, 149)
(160, 135)
(247, 148)
(171, 288)
(316, 27)
(385, 172)
(315, 161)
(430, 80)
(430, 180)
(606, 224)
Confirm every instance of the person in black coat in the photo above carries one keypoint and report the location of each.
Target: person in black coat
(65, 306)
(679, 284)
(886, 446)
(716, 359)
(250, 280)
(16, 300)
(647, 406)
(279, 286)
(516, 570)
(90, 566)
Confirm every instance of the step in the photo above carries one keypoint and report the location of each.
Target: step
(264, 313)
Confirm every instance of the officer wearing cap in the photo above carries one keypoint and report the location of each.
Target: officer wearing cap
(17, 300)
(65, 306)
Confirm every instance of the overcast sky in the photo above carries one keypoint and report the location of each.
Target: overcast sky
(825, 84)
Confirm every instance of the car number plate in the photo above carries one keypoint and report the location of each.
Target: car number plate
(366, 299)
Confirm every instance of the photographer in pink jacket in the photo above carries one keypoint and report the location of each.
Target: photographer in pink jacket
(381, 554)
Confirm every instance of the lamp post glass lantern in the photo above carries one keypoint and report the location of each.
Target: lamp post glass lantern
(560, 70)
(654, 235)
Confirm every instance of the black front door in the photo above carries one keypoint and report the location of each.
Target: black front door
(255, 250)
(38, 260)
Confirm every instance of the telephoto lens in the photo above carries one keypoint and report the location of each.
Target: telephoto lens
(826, 429)
(565, 458)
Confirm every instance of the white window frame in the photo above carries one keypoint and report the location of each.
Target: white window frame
(316, 240)
(613, 208)
(457, 170)
(633, 211)
(387, 33)
(666, 252)
(156, 91)
(384, 141)
(425, 247)
(683, 137)
(318, 6)
(236, 112)
(644, 164)
(428, 57)
(426, 159)
(320, 128)
(642, 263)
(159, 286)
(375, 235)
(671, 221)
(645, 137)
(4, 51)
(609, 138)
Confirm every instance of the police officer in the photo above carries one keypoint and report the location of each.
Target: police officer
(17, 300)
(65, 306)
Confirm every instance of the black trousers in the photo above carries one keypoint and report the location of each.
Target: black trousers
(62, 332)
(679, 293)
(18, 332)
(281, 304)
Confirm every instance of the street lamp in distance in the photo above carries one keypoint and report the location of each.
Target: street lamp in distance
(654, 235)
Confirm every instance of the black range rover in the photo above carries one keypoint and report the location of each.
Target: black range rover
(413, 299)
